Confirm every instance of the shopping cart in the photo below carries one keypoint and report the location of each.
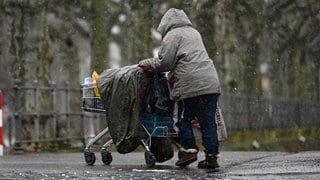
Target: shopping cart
(152, 125)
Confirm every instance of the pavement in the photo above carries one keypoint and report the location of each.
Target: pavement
(234, 165)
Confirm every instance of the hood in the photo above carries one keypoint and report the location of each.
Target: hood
(173, 18)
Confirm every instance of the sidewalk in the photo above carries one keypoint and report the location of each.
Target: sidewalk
(303, 165)
(234, 165)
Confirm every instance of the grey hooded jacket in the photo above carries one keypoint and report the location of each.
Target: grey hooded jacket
(183, 54)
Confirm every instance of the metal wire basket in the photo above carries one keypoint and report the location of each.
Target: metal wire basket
(90, 102)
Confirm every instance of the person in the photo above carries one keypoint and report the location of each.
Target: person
(196, 86)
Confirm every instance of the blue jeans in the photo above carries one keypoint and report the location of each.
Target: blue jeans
(203, 108)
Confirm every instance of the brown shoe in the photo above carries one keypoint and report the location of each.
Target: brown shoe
(209, 163)
(187, 159)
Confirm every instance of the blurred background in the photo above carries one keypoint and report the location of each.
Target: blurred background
(266, 53)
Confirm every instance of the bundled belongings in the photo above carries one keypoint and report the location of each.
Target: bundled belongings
(123, 91)
(157, 96)
(119, 91)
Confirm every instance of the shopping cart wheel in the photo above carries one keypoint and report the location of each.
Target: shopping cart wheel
(181, 154)
(89, 157)
(150, 158)
(106, 156)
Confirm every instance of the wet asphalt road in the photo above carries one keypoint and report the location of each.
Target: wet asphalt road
(234, 165)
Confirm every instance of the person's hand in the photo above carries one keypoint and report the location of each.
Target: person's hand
(144, 68)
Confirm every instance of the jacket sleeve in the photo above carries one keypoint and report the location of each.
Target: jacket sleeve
(167, 58)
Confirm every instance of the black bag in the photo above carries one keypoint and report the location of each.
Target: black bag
(162, 148)
(157, 97)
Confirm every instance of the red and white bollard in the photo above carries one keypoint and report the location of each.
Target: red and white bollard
(1, 122)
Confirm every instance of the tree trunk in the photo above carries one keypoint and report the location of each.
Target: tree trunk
(139, 36)
(99, 35)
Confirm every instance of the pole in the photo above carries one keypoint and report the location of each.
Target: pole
(1, 132)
